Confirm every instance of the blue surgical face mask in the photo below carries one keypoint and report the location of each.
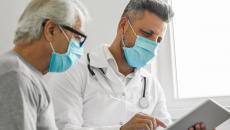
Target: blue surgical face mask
(62, 62)
(141, 53)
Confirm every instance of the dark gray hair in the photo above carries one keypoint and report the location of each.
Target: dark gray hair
(64, 12)
(136, 8)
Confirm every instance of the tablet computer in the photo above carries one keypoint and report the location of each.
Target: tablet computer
(209, 112)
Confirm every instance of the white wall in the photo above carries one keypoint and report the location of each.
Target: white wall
(105, 16)
(10, 11)
(178, 108)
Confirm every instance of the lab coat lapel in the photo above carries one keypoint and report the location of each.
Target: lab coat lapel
(135, 80)
(104, 82)
(139, 74)
(114, 79)
(110, 79)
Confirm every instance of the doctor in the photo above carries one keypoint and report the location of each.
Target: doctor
(110, 89)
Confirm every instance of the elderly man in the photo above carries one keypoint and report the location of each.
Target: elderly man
(48, 39)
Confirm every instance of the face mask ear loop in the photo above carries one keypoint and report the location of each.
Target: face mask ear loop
(132, 28)
(64, 33)
(122, 41)
(52, 47)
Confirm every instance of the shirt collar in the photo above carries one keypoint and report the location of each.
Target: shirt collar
(98, 58)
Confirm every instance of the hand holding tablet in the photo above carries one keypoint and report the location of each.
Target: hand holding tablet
(210, 113)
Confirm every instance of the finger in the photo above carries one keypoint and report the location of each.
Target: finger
(137, 116)
(203, 126)
(191, 128)
(142, 126)
(150, 124)
(160, 123)
(145, 116)
(142, 115)
(145, 121)
(156, 122)
(197, 126)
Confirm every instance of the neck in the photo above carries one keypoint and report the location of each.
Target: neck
(117, 52)
(34, 54)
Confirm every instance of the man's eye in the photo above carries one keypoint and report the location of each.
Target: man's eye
(77, 37)
(147, 34)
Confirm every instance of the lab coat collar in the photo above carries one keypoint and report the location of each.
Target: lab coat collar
(100, 57)
(145, 72)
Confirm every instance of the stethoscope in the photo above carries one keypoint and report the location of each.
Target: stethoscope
(143, 101)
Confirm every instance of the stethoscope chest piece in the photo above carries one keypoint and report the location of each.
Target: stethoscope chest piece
(143, 103)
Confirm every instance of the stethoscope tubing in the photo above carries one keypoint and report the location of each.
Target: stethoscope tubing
(102, 71)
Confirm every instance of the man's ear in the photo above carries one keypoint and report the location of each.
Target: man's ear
(50, 29)
(123, 25)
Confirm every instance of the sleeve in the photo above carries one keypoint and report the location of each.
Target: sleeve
(11, 102)
(161, 111)
(65, 89)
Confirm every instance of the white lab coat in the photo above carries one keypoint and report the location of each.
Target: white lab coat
(82, 102)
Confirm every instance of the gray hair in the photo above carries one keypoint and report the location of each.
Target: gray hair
(135, 9)
(63, 12)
